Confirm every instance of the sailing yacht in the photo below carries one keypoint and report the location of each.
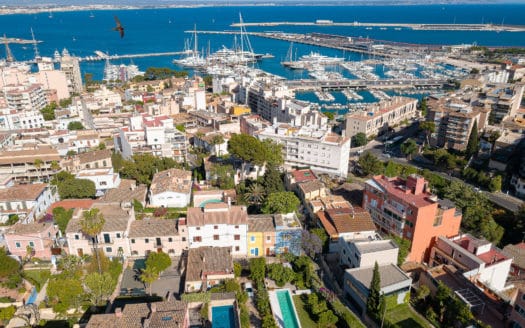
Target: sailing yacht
(194, 58)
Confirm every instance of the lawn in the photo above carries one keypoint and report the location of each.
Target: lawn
(304, 317)
(37, 277)
(403, 316)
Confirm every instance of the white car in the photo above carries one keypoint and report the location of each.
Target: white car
(248, 288)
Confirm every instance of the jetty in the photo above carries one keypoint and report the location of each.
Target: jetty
(411, 26)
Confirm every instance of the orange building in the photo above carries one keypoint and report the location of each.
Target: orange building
(406, 208)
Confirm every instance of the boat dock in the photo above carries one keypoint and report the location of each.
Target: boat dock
(390, 84)
(102, 56)
(411, 26)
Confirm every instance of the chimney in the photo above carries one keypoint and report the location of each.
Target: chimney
(416, 184)
(118, 312)
(153, 307)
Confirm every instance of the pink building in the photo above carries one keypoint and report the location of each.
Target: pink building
(40, 237)
(157, 235)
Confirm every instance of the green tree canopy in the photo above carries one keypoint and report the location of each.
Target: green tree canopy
(495, 183)
(374, 300)
(160, 261)
(252, 150)
(409, 148)
(9, 269)
(75, 126)
(272, 180)
(281, 202)
(254, 194)
(473, 142)
(148, 276)
(258, 269)
(142, 167)
(77, 188)
(99, 287)
(161, 73)
(370, 164)
(359, 140)
(48, 112)
(61, 217)
(64, 293)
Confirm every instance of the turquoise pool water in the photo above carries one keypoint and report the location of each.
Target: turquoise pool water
(32, 297)
(222, 317)
(287, 309)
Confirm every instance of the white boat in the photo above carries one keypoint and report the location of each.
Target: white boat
(194, 58)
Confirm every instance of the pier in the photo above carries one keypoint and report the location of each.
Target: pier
(386, 84)
(101, 56)
(411, 26)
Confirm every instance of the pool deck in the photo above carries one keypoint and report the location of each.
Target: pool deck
(276, 308)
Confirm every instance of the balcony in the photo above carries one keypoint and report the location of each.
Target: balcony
(387, 221)
(401, 213)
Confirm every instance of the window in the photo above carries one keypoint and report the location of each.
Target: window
(198, 228)
(77, 237)
(215, 227)
(237, 248)
(197, 239)
(170, 239)
(252, 251)
(183, 238)
(118, 234)
(109, 250)
(18, 245)
(31, 244)
(215, 237)
(236, 227)
(268, 238)
(146, 240)
(252, 239)
(106, 238)
(237, 237)
(132, 241)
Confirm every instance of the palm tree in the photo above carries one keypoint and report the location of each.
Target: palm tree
(255, 194)
(91, 224)
(148, 276)
(429, 127)
(54, 166)
(38, 165)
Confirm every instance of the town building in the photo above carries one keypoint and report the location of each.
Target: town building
(250, 124)
(218, 225)
(321, 150)
(71, 67)
(166, 314)
(126, 193)
(347, 222)
(30, 97)
(32, 240)
(406, 208)
(293, 178)
(206, 267)
(27, 201)
(157, 235)
(288, 234)
(261, 235)
(478, 260)
(203, 197)
(112, 240)
(454, 120)
(170, 188)
(379, 117)
(12, 119)
(517, 316)
(503, 100)
(395, 284)
(517, 254)
(96, 159)
(103, 178)
(356, 253)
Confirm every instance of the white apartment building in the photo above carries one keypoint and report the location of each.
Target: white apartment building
(29, 97)
(153, 135)
(11, 119)
(380, 116)
(103, 178)
(218, 225)
(71, 67)
(478, 259)
(28, 201)
(321, 150)
(112, 240)
(365, 252)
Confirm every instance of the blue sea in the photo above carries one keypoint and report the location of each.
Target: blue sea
(163, 30)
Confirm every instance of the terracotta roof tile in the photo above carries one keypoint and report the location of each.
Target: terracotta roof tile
(153, 228)
(217, 213)
(204, 260)
(344, 220)
(22, 192)
(171, 180)
(71, 203)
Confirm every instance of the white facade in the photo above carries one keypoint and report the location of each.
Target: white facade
(104, 178)
(15, 120)
(380, 116)
(478, 259)
(321, 150)
(170, 199)
(29, 201)
(364, 253)
(26, 97)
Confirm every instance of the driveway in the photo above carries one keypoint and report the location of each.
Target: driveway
(169, 281)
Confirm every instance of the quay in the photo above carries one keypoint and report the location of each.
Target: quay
(7, 40)
(412, 26)
(386, 84)
(102, 56)
(344, 43)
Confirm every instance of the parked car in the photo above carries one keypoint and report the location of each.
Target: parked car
(248, 288)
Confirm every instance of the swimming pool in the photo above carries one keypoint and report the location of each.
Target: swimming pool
(32, 297)
(223, 317)
(287, 309)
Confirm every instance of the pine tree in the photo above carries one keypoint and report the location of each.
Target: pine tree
(473, 145)
(373, 303)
